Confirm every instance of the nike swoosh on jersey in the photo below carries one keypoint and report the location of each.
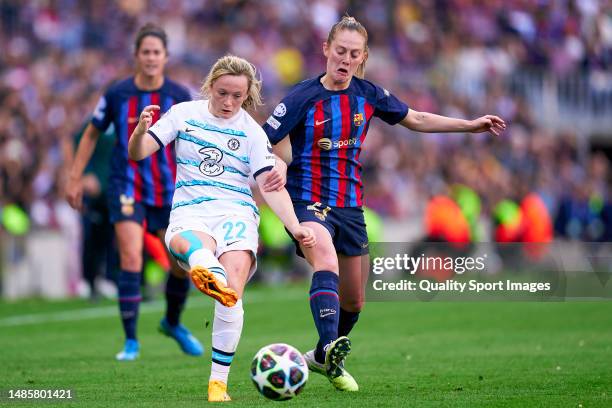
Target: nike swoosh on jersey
(231, 243)
(319, 123)
(187, 130)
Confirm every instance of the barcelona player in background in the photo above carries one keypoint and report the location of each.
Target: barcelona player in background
(139, 193)
(327, 118)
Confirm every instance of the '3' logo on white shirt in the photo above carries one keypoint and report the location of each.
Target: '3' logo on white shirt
(211, 165)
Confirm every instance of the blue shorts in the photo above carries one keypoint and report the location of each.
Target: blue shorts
(346, 226)
(123, 208)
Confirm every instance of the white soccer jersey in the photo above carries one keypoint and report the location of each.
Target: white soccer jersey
(214, 158)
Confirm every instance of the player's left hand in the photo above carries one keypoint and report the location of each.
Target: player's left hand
(488, 123)
(305, 236)
(277, 177)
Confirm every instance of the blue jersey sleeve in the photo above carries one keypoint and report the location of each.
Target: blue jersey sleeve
(103, 114)
(388, 107)
(286, 116)
(183, 95)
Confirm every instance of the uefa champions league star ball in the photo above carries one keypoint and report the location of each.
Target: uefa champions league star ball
(279, 371)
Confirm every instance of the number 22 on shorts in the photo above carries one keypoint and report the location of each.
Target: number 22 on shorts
(231, 228)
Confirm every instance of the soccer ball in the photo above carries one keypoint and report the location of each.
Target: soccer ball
(279, 371)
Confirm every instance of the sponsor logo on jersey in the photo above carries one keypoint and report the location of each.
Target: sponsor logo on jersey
(211, 165)
(320, 122)
(233, 144)
(280, 110)
(327, 144)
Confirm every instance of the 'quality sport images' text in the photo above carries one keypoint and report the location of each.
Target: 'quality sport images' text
(404, 263)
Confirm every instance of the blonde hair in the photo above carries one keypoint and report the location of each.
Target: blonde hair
(232, 65)
(350, 23)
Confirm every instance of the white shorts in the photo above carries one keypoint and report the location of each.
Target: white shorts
(231, 233)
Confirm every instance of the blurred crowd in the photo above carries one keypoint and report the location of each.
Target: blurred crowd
(453, 57)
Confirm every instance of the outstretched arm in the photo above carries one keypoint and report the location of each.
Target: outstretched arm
(140, 146)
(280, 202)
(432, 123)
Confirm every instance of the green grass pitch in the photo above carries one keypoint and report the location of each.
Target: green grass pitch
(404, 354)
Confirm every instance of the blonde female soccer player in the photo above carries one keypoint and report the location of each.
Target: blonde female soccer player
(214, 220)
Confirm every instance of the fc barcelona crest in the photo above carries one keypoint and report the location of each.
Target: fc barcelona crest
(358, 119)
(127, 205)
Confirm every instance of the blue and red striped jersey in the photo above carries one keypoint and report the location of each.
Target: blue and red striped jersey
(149, 181)
(327, 130)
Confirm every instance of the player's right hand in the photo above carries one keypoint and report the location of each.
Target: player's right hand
(146, 118)
(488, 123)
(305, 236)
(74, 194)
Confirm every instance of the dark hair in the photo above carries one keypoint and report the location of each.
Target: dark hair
(150, 29)
(350, 23)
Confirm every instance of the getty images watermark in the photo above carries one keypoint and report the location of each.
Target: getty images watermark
(483, 272)
(457, 265)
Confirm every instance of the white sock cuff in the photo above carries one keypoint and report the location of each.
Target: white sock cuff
(205, 258)
(229, 314)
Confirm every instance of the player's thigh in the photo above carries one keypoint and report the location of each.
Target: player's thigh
(129, 236)
(354, 272)
(322, 257)
(237, 265)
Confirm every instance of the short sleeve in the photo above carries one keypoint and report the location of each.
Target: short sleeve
(287, 114)
(261, 157)
(388, 107)
(166, 128)
(103, 115)
(183, 95)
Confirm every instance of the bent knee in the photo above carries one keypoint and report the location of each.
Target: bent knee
(323, 260)
(353, 305)
(130, 260)
(179, 246)
(184, 244)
